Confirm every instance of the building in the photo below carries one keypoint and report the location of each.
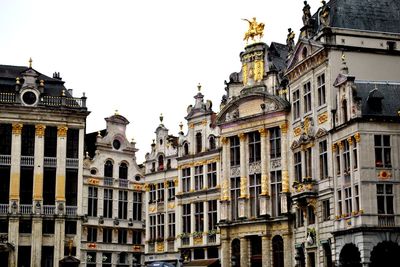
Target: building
(42, 129)
(113, 192)
(199, 166)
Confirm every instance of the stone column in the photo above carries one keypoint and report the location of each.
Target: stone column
(59, 239)
(36, 242)
(192, 221)
(243, 212)
(284, 163)
(265, 183)
(224, 179)
(244, 252)
(266, 251)
(225, 253)
(287, 248)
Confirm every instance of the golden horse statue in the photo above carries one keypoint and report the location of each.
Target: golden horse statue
(255, 29)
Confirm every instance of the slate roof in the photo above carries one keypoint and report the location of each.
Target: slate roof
(369, 15)
(277, 54)
(390, 101)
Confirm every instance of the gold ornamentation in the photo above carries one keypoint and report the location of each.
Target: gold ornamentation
(176, 182)
(204, 122)
(138, 187)
(350, 140)
(171, 205)
(264, 185)
(152, 208)
(263, 132)
(323, 118)
(40, 128)
(198, 240)
(284, 128)
(147, 187)
(243, 187)
(17, 128)
(297, 131)
(307, 125)
(160, 246)
(334, 147)
(242, 137)
(258, 70)
(244, 74)
(224, 140)
(225, 190)
(285, 182)
(357, 137)
(255, 29)
(384, 175)
(191, 125)
(93, 181)
(62, 131)
(340, 145)
(312, 202)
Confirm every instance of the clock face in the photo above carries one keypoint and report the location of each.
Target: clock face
(116, 144)
(29, 98)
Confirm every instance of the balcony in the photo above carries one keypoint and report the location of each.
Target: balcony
(108, 181)
(72, 163)
(25, 208)
(211, 239)
(386, 220)
(5, 160)
(71, 210)
(50, 162)
(306, 188)
(123, 183)
(49, 209)
(3, 208)
(27, 161)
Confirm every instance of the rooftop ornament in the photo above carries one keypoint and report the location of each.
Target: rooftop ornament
(255, 29)
(30, 62)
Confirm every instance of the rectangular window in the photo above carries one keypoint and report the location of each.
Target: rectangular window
(326, 210)
(28, 140)
(275, 143)
(186, 180)
(122, 236)
(198, 178)
(137, 206)
(5, 139)
(71, 186)
(47, 227)
(108, 203)
(357, 198)
(296, 104)
(137, 237)
(92, 201)
(348, 200)
(91, 259)
(212, 215)
(171, 190)
(310, 215)
(199, 217)
(91, 234)
(308, 159)
(235, 151)
(106, 259)
(50, 142)
(70, 227)
(346, 157)
(321, 90)
(152, 227)
(299, 218)
(212, 175)
(355, 156)
(384, 194)
(186, 218)
(323, 160)
(160, 226)
(122, 204)
(307, 97)
(276, 189)
(152, 193)
(235, 194)
(72, 143)
(26, 185)
(160, 192)
(49, 186)
(254, 147)
(107, 235)
(297, 167)
(171, 224)
(339, 200)
(338, 162)
(382, 151)
(255, 191)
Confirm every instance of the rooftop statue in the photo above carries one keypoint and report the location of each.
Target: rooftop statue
(324, 14)
(255, 29)
(306, 14)
(290, 39)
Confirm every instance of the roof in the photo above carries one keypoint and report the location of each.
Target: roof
(90, 141)
(379, 16)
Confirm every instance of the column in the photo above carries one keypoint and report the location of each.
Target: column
(287, 248)
(265, 183)
(224, 179)
(284, 164)
(244, 252)
(205, 222)
(225, 253)
(243, 212)
(192, 221)
(266, 250)
(59, 239)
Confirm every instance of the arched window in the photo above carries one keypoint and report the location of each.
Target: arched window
(185, 149)
(211, 141)
(123, 171)
(385, 254)
(277, 251)
(304, 52)
(235, 258)
(199, 143)
(108, 169)
(160, 163)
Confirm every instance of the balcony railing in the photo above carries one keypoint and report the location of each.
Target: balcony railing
(306, 188)
(185, 241)
(50, 162)
(109, 181)
(386, 220)
(212, 239)
(71, 210)
(25, 208)
(49, 209)
(72, 163)
(5, 160)
(123, 183)
(8, 98)
(52, 101)
(3, 208)
(27, 161)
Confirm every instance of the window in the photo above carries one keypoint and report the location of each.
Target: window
(136, 237)
(348, 200)
(50, 142)
(307, 97)
(71, 186)
(122, 204)
(186, 218)
(91, 259)
(344, 111)
(321, 89)
(185, 149)
(254, 147)
(160, 192)
(160, 226)
(212, 215)
(186, 180)
(299, 218)
(5, 139)
(384, 194)
(309, 159)
(346, 157)
(92, 234)
(275, 143)
(137, 206)
(70, 227)
(198, 178)
(211, 141)
(28, 140)
(47, 227)
(108, 169)
(356, 198)
(235, 194)
(171, 190)
(255, 191)
(160, 163)
(323, 160)
(326, 210)
(92, 201)
(382, 151)
(171, 224)
(25, 226)
(123, 171)
(73, 143)
(106, 259)
(26, 187)
(339, 200)
(212, 175)
(122, 236)
(199, 142)
(49, 185)
(108, 203)
(355, 157)
(199, 217)
(152, 193)
(310, 215)
(296, 104)
(152, 227)
(297, 167)
(168, 164)
(276, 188)
(107, 235)
(338, 162)
(235, 151)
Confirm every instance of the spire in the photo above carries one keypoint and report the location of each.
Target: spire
(199, 87)
(30, 62)
(161, 118)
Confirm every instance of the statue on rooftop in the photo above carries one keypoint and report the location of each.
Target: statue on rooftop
(324, 14)
(306, 14)
(290, 40)
(255, 29)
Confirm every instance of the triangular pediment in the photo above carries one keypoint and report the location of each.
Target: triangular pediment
(303, 50)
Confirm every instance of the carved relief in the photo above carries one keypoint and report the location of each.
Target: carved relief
(255, 167)
(275, 163)
(285, 181)
(243, 187)
(357, 137)
(323, 118)
(235, 171)
(225, 190)
(264, 185)
(284, 128)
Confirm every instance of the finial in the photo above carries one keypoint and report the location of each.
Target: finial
(199, 87)
(132, 140)
(41, 83)
(87, 155)
(17, 80)
(63, 92)
(154, 141)
(344, 69)
(161, 118)
(116, 112)
(98, 134)
(181, 126)
(30, 62)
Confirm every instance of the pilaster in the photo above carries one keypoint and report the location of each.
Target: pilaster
(284, 163)
(242, 202)
(16, 162)
(59, 239)
(36, 239)
(244, 252)
(224, 179)
(61, 164)
(266, 249)
(38, 165)
(265, 182)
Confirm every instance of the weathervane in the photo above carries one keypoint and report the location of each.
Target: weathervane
(255, 29)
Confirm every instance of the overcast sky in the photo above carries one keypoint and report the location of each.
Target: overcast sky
(141, 58)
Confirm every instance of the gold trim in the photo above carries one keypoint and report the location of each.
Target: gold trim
(323, 118)
(17, 128)
(357, 137)
(242, 137)
(263, 132)
(224, 140)
(284, 128)
(62, 131)
(350, 140)
(285, 182)
(39, 130)
(297, 131)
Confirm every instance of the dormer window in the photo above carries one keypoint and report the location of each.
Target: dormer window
(160, 163)
(199, 142)
(161, 142)
(108, 169)
(304, 53)
(211, 141)
(116, 144)
(185, 149)
(344, 111)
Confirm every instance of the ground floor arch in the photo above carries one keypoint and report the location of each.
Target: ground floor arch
(386, 253)
(350, 256)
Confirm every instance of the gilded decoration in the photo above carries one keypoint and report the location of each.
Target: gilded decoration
(198, 240)
(312, 202)
(171, 205)
(357, 137)
(191, 125)
(160, 246)
(258, 70)
(176, 182)
(224, 140)
(93, 181)
(39, 130)
(62, 131)
(242, 137)
(17, 128)
(285, 181)
(243, 187)
(323, 118)
(264, 185)
(334, 147)
(297, 131)
(255, 29)
(138, 187)
(146, 187)
(350, 140)
(284, 128)
(263, 132)
(152, 208)
(244, 73)
(340, 145)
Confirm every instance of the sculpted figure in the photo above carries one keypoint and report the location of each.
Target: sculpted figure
(255, 29)
(324, 14)
(290, 39)
(306, 14)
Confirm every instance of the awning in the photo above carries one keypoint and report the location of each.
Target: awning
(202, 263)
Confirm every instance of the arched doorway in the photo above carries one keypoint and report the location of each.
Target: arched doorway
(235, 258)
(349, 256)
(256, 251)
(277, 251)
(386, 254)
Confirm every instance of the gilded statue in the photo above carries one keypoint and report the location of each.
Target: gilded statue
(290, 40)
(255, 29)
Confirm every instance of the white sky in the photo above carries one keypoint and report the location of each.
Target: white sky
(141, 58)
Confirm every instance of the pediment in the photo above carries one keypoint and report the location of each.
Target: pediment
(299, 54)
